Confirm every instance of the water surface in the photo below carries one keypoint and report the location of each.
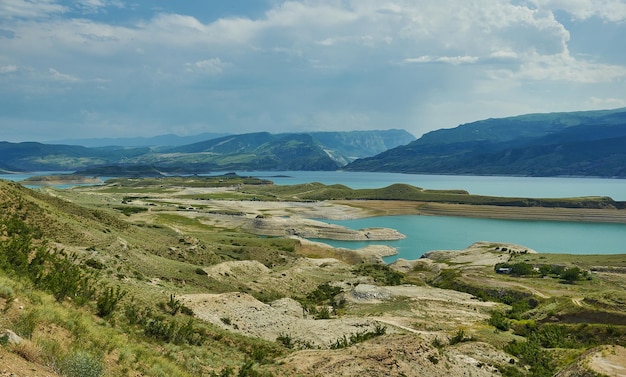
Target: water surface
(426, 233)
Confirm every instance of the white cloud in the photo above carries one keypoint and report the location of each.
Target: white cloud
(604, 103)
(610, 10)
(30, 8)
(504, 55)
(96, 6)
(58, 76)
(563, 67)
(214, 66)
(8, 69)
(443, 59)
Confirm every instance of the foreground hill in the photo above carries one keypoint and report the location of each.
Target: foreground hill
(589, 143)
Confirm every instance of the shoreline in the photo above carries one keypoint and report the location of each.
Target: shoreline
(392, 207)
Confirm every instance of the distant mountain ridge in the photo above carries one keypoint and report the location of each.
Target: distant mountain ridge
(587, 143)
(168, 140)
(254, 151)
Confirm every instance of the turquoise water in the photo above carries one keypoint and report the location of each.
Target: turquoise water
(425, 233)
(528, 187)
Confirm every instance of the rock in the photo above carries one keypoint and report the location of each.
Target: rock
(11, 337)
(367, 292)
(288, 306)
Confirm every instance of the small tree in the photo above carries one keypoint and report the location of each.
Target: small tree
(571, 274)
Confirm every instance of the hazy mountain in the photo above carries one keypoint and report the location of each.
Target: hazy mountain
(253, 151)
(589, 143)
(168, 140)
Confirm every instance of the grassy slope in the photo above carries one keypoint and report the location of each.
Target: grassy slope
(158, 253)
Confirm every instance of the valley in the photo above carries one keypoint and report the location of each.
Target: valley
(215, 276)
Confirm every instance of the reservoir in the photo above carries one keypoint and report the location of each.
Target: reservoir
(426, 233)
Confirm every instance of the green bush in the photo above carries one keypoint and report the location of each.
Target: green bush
(108, 300)
(381, 273)
(81, 364)
(499, 321)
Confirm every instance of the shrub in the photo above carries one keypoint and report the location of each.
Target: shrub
(108, 300)
(26, 323)
(499, 321)
(323, 313)
(460, 337)
(81, 364)
(323, 293)
(571, 274)
(381, 273)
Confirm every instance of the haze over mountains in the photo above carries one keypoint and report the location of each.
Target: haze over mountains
(589, 143)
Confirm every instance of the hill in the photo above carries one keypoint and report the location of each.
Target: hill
(588, 143)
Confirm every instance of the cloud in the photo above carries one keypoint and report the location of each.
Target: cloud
(58, 76)
(604, 103)
(30, 8)
(563, 67)
(96, 6)
(8, 69)
(302, 64)
(213, 66)
(443, 59)
(610, 10)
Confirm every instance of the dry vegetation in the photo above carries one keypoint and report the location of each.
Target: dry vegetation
(201, 278)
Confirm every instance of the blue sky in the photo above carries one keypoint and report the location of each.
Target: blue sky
(116, 68)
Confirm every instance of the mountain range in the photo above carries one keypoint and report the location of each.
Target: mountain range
(253, 151)
(585, 143)
(588, 143)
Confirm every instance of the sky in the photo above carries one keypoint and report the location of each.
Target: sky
(117, 68)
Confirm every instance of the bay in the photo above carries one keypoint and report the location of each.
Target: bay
(426, 233)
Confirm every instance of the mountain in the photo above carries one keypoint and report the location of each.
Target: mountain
(588, 143)
(168, 140)
(346, 147)
(255, 151)
(31, 156)
(252, 151)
